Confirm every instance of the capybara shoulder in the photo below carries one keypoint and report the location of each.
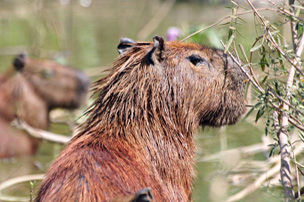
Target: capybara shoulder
(139, 130)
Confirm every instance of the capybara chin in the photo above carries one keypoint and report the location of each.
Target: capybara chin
(139, 131)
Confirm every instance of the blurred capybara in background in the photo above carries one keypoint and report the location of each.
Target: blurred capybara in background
(139, 131)
(28, 91)
(57, 85)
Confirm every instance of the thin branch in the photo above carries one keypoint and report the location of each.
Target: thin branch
(243, 70)
(294, 123)
(249, 65)
(297, 177)
(285, 12)
(284, 101)
(299, 164)
(8, 183)
(41, 134)
(247, 150)
(156, 20)
(261, 180)
(220, 21)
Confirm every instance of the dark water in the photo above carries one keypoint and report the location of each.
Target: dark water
(86, 38)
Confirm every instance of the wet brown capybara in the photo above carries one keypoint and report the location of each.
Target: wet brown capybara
(139, 131)
(28, 91)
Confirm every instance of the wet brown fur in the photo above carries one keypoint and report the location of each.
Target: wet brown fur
(28, 94)
(139, 131)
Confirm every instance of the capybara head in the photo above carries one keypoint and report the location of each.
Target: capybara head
(189, 82)
(58, 86)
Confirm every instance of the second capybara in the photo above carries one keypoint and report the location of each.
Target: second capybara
(139, 131)
(57, 85)
(28, 91)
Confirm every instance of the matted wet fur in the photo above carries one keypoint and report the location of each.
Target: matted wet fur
(28, 91)
(139, 131)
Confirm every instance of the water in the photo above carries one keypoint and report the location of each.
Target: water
(86, 38)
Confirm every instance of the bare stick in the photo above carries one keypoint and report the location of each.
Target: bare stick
(41, 134)
(220, 21)
(243, 70)
(297, 177)
(284, 101)
(257, 184)
(262, 179)
(252, 149)
(6, 184)
(156, 20)
(249, 66)
(283, 134)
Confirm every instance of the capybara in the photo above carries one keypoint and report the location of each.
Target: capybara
(28, 91)
(139, 131)
(57, 85)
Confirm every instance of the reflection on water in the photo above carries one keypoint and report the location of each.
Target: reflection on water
(86, 37)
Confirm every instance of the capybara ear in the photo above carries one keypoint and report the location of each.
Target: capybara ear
(156, 53)
(124, 44)
(159, 46)
(143, 195)
(19, 62)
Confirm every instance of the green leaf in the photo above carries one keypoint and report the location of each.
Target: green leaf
(302, 137)
(264, 79)
(267, 126)
(229, 43)
(263, 62)
(271, 151)
(230, 32)
(300, 28)
(255, 48)
(248, 113)
(260, 113)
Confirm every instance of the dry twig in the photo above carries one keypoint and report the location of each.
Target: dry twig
(6, 184)
(41, 134)
(156, 20)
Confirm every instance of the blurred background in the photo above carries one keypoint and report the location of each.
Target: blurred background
(84, 34)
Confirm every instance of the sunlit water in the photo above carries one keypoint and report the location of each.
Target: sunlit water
(86, 37)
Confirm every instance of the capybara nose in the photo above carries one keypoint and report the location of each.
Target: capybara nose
(82, 84)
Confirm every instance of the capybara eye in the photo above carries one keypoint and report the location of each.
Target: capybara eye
(196, 59)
